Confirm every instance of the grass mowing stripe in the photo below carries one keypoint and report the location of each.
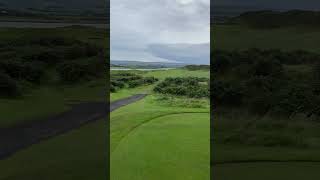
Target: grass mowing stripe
(149, 120)
(171, 147)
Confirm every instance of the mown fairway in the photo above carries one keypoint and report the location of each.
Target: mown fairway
(158, 139)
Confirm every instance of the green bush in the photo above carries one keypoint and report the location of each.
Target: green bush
(8, 86)
(190, 87)
(78, 70)
(26, 71)
(121, 79)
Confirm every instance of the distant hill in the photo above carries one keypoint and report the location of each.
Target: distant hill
(97, 10)
(146, 65)
(67, 4)
(276, 19)
(94, 8)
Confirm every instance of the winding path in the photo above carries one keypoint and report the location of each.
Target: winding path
(21, 136)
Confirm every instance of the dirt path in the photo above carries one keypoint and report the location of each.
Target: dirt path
(22, 136)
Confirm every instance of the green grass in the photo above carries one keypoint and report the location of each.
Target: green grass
(176, 126)
(180, 72)
(79, 155)
(236, 37)
(161, 75)
(242, 136)
(46, 101)
(168, 147)
(123, 93)
(160, 137)
(267, 171)
(86, 34)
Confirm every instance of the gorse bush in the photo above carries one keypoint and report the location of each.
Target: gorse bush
(19, 70)
(36, 60)
(8, 86)
(268, 81)
(131, 80)
(197, 67)
(272, 59)
(84, 69)
(192, 87)
(226, 94)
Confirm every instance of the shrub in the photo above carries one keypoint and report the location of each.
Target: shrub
(8, 86)
(226, 94)
(190, 87)
(28, 71)
(77, 70)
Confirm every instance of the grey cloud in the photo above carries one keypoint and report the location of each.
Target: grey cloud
(186, 53)
(135, 25)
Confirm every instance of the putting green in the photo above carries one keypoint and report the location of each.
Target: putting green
(173, 147)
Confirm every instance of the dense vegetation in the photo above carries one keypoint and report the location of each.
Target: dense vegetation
(268, 81)
(34, 61)
(192, 87)
(197, 67)
(130, 80)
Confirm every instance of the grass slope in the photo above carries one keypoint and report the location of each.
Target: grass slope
(178, 126)
(77, 155)
(138, 117)
(169, 147)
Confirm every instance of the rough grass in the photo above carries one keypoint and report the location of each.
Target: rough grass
(79, 154)
(180, 72)
(123, 93)
(267, 171)
(236, 37)
(46, 101)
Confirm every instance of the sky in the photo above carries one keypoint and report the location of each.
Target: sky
(160, 30)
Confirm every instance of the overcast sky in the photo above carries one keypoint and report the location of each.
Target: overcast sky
(160, 30)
